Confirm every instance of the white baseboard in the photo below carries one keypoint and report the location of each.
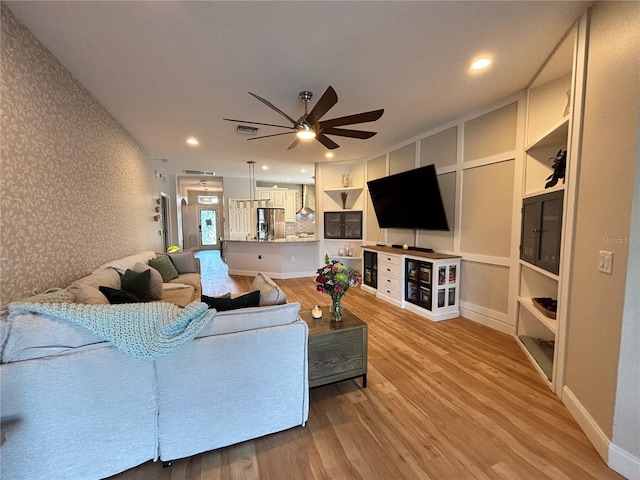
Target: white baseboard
(486, 317)
(616, 458)
(274, 275)
(624, 463)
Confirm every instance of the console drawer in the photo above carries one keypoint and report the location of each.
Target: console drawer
(389, 265)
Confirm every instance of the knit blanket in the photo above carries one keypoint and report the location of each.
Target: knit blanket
(147, 330)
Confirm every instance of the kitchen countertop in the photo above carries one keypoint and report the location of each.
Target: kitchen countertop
(278, 240)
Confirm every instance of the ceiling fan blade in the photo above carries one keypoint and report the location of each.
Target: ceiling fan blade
(293, 145)
(273, 135)
(258, 123)
(328, 99)
(343, 132)
(371, 116)
(326, 141)
(272, 106)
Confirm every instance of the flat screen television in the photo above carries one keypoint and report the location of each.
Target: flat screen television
(409, 199)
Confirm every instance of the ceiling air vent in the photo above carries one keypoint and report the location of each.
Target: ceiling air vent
(198, 172)
(246, 130)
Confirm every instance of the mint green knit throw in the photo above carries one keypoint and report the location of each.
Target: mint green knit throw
(147, 330)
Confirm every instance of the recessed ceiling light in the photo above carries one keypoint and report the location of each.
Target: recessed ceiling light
(193, 141)
(480, 63)
(264, 167)
(328, 155)
(304, 170)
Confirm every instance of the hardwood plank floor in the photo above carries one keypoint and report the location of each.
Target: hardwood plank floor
(448, 400)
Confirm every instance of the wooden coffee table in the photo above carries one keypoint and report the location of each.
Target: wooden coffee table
(337, 350)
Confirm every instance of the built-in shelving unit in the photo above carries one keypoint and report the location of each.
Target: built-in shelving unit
(341, 199)
(550, 114)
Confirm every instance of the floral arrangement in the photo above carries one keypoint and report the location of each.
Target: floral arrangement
(335, 279)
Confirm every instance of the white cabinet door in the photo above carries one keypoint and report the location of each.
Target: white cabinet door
(239, 219)
(265, 195)
(290, 206)
(278, 198)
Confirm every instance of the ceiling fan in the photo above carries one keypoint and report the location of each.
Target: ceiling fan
(309, 124)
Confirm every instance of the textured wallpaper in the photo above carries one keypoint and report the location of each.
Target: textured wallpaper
(76, 189)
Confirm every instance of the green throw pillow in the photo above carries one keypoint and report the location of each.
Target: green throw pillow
(166, 268)
(137, 283)
(243, 301)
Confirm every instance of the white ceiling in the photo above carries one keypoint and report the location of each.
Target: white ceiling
(168, 70)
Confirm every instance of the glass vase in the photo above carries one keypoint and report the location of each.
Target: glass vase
(336, 309)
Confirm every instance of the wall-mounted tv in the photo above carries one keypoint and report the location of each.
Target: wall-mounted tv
(409, 199)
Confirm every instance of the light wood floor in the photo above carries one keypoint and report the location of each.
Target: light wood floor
(449, 400)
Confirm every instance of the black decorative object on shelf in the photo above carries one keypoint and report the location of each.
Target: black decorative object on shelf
(559, 166)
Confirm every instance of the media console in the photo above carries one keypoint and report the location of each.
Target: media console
(426, 283)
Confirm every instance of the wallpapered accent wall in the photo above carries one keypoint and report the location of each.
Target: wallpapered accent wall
(76, 189)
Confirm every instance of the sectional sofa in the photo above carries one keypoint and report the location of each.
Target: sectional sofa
(78, 406)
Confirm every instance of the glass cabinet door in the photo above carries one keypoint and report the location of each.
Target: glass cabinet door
(343, 225)
(353, 225)
(541, 230)
(332, 225)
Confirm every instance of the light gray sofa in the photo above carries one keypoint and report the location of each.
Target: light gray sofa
(185, 288)
(73, 406)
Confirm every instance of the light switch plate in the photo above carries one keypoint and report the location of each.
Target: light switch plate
(605, 261)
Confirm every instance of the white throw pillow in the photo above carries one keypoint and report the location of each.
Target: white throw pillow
(270, 292)
(83, 293)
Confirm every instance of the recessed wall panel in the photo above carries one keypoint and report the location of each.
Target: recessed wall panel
(487, 200)
(402, 159)
(438, 240)
(376, 168)
(491, 133)
(485, 285)
(440, 149)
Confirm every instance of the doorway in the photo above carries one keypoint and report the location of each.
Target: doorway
(208, 228)
(165, 212)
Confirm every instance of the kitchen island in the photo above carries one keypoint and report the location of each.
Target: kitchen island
(291, 257)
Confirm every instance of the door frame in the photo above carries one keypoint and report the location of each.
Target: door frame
(218, 210)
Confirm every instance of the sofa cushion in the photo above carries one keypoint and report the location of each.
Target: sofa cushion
(251, 318)
(185, 262)
(251, 299)
(192, 279)
(165, 267)
(87, 294)
(137, 283)
(107, 277)
(180, 296)
(155, 280)
(122, 264)
(270, 292)
(116, 296)
(32, 335)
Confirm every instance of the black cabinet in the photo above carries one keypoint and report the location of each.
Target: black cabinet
(343, 225)
(542, 230)
(418, 283)
(370, 260)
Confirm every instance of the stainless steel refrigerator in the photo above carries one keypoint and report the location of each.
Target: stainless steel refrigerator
(271, 225)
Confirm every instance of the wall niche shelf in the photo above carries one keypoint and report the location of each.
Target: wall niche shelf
(557, 134)
(353, 194)
(550, 323)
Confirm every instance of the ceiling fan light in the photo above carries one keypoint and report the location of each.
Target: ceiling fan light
(304, 132)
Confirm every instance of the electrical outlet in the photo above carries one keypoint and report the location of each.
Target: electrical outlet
(605, 261)
(293, 258)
